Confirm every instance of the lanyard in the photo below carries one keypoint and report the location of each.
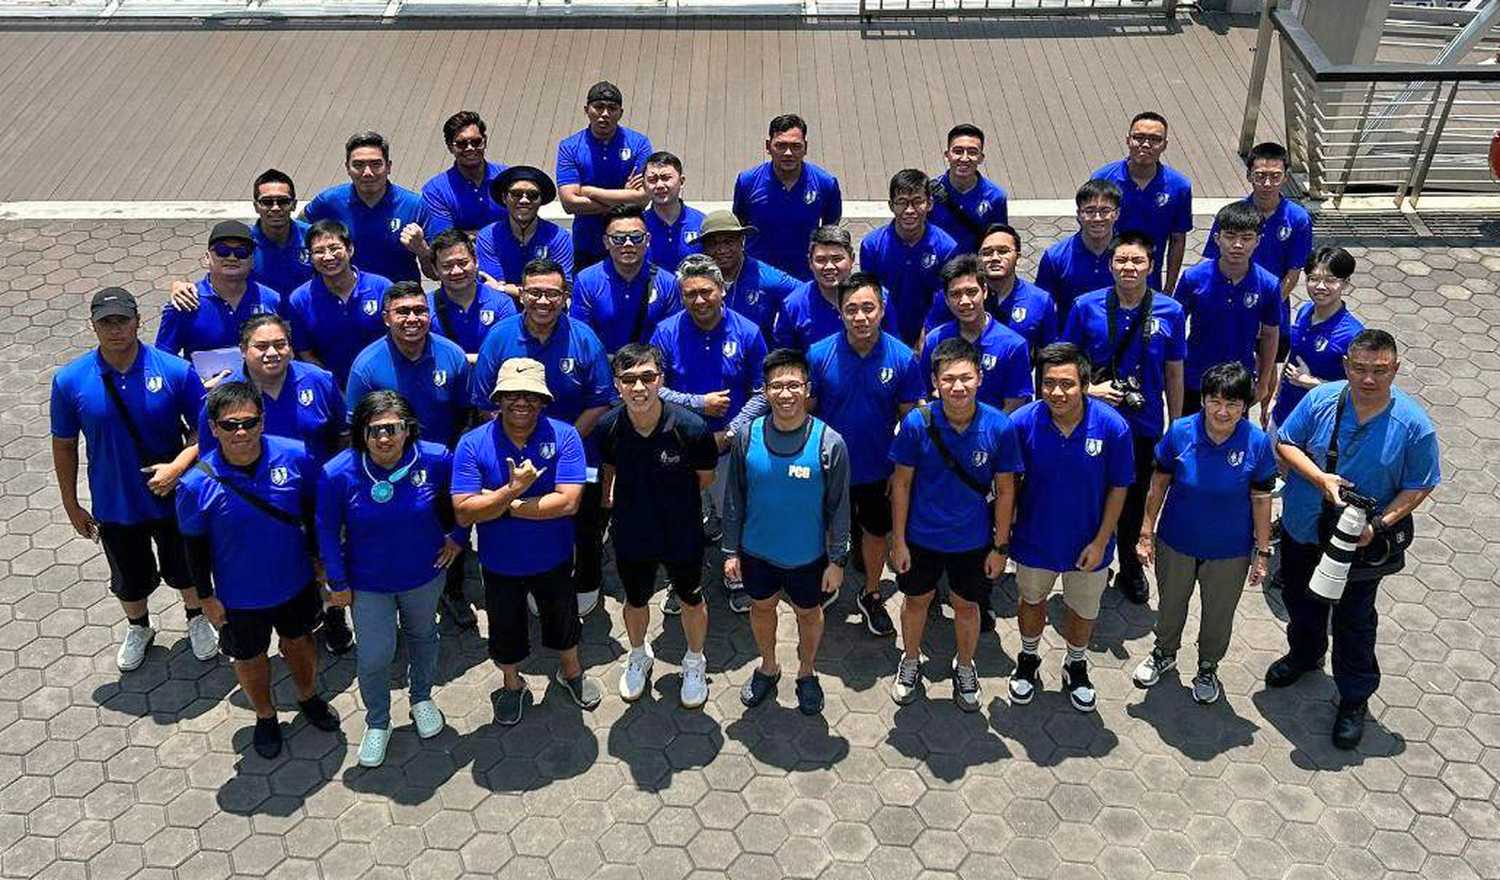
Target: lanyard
(382, 491)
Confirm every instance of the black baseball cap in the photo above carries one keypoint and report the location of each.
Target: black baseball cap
(111, 302)
(230, 230)
(607, 92)
(516, 173)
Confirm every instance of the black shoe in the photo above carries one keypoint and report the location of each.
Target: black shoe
(336, 633)
(828, 600)
(1024, 680)
(1348, 725)
(809, 696)
(1285, 672)
(267, 737)
(456, 609)
(986, 620)
(1133, 586)
(319, 714)
(877, 619)
(758, 688)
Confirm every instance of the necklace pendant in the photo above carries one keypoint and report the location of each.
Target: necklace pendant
(382, 491)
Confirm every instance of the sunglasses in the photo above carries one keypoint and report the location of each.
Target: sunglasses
(630, 380)
(275, 201)
(619, 238)
(385, 429)
(239, 252)
(234, 426)
(468, 143)
(524, 195)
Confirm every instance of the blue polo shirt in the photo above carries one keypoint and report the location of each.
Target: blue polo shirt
(983, 204)
(436, 384)
(163, 395)
(703, 361)
(1225, 317)
(282, 267)
(1068, 270)
(355, 531)
(786, 217)
(213, 324)
(454, 202)
(510, 545)
(1286, 243)
(1160, 208)
(1061, 503)
(806, 318)
(944, 514)
(670, 244)
(469, 326)
(258, 560)
(612, 306)
(909, 271)
(502, 257)
(1395, 450)
(585, 160)
(1321, 348)
(336, 330)
(859, 396)
(376, 231)
(1207, 511)
(310, 408)
(1165, 340)
(577, 368)
(1029, 311)
(759, 292)
(1004, 362)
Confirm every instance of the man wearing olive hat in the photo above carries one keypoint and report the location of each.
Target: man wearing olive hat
(520, 479)
(755, 289)
(506, 246)
(600, 168)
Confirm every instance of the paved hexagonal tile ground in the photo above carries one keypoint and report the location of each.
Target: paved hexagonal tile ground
(148, 775)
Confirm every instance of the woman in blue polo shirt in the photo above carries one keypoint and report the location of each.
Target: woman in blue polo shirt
(386, 534)
(1212, 489)
(1321, 331)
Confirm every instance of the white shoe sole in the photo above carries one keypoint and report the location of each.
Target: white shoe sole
(131, 667)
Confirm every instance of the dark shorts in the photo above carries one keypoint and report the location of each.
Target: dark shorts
(134, 570)
(802, 586)
(639, 580)
(505, 606)
(965, 573)
(870, 507)
(247, 631)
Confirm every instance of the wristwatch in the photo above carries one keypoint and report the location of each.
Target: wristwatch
(1266, 553)
(1002, 549)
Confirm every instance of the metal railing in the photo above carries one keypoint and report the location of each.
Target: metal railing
(926, 8)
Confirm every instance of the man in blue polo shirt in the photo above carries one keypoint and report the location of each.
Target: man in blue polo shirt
(281, 259)
(811, 313)
(599, 168)
(464, 308)
(786, 198)
(674, 225)
(225, 296)
(1020, 305)
(384, 220)
(506, 246)
(133, 404)
(1079, 263)
(623, 298)
(953, 494)
(1137, 348)
(1078, 455)
(246, 512)
(964, 202)
(459, 197)
(1387, 449)
(580, 386)
(1004, 359)
(908, 254)
(520, 479)
(336, 314)
(1156, 198)
(1233, 307)
(863, 381)
(752, 289)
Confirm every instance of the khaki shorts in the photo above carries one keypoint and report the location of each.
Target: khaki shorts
(1080, 589)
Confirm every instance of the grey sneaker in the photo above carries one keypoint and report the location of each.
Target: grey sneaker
(908, 680)
(584, 690)
(1206, 688)
(1152, 668)
(739, 599)
(966, 687)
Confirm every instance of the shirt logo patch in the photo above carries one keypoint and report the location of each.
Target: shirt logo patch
(154, 384)
(651, 298)
(1093, 446)
(799, 471)
(1285, 232)
(625, 154)
(982, 208)
(752, 297)
(730, 347)
(690, 236)
(1162, 198)
(395, 224)
(547, 450)
(1321, 344)
(810, 196)
(566, 365)
(279, 476)
(988, 361)
(1157, 327)
(1250, 299)
(1236, 458)
(439, 378)
(979, 458)
(670, 458)
(371, 307)
(1018, 314)
(929, 260)
(304, 257)
(886, 375)
(305, 397)
(540, 252)
(486, 316)
(418, 477)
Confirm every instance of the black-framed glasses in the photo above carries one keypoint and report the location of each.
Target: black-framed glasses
(271, 202)
(543, 293)
(384, 429)
(238, 251)
(619, 238)
(234, 426)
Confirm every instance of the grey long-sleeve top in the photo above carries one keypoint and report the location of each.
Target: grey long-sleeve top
(834, 515)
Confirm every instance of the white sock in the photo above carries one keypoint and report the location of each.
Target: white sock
(637, 651)
(1075, 652)
(693, 656)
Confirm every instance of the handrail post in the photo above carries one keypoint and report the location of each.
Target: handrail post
(1359, 136)
(1437, 90)
(1420, 178)
(1257, 75)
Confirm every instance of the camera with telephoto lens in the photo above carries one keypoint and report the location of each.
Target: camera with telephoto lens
(1331, 575)
(1131, 396)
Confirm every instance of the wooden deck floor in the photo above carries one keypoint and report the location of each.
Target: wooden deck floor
(196, 113)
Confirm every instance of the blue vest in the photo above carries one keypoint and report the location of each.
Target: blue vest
(779, 491)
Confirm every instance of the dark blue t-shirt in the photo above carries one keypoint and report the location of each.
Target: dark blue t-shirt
(786, 217)
(436, 384)
(806, 318)
(1028, 310)
(1160, 208)
(860, 396)
(469, 326)
(945, 514)
(1207, 511)
(1321, 348)
(698, 361)
(376, 231)
(1068, 270)
(1286, 242)
(670, 244)
(758, 293)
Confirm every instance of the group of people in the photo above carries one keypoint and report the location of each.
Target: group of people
(676, 380)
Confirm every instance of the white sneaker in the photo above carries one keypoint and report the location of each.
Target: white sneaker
(637, 673)
(587, 602)
(133, 650)
(531, 603)
(428, 717)
(694, 682)
(372, 747)
(203, 637)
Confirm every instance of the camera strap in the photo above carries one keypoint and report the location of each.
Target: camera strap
(1119, 346)
(936, 435)
(940, 193)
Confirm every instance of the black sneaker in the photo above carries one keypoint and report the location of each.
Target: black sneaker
(1133, 586)
(319, 714)
(877, 619)
(336, 633)
(1075, 680)
(510, 705)
(758, 688)
(456, 609)
(1284, 672)
(267, 737)
(829, 600)
(1024, 680)
(809, 696)
(1348, 725)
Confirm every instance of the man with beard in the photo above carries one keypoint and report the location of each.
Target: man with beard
(459, 198)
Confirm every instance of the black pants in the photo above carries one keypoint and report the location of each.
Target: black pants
(1128, 530)
(453, 585)
(505, 606)
(588, 546)
(1353, 619)
(1192, 401)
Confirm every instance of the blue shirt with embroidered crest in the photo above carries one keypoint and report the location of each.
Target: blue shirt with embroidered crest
(502, 257)
(612, 306)
(1160, 209)
(785, 217)
(698, 361)
(1004, 362)
(436, 384)
(1321, 348)
(336, 330)
(376, 231)
(911, 272)
(310, 408)
(670, 244)
(468, 326)
(1206, 514)
(1145, 358)
(577, 367)
(983, 204)
(282, 267)
(453, 201)
(806, 318)
(758, 293)
(860, 395)
(1029, 310)
(1068, 270)
(946, 514)
(1225, 318)
(1286, 243)
(213, 324)
(585, 160)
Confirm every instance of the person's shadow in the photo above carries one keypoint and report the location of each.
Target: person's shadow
(1198, 732)
(1303, 713)
(170, 687)
(657, 738)
(555, 740)
(784, 738)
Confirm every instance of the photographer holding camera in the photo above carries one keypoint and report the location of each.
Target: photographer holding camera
(1136, 339)
(1364, 436)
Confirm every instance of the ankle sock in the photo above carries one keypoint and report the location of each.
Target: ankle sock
(1030, 645)
(1075, 653)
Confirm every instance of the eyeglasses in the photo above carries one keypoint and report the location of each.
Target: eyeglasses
(409, 311)
(524, 195)
(1097, 213)
(1268, 176)
(234, 426)
(544, 293)
(630, 380)
(384, 429)
(784, 387)
(238, 251)
(1327, 281)
(272, 202)
(913, 204)
(376, 165)
(1147, 140)
(621, 238)
(469, 143)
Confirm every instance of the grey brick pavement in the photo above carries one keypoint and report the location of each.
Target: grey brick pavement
(149, 775)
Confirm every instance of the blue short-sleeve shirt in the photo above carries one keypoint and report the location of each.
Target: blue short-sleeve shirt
(436, 384)
(376, 230)
(1004, 362)
(310, 408)
(613, 307)
(1321, 348)
(758, 293)
(282, 267)
(945, 514)
(337, 330)
(1028, 310)
(1160, 209)
(1068, 270)
(1286, 241)
(1225, 318)
(577, 368)
(585, 160)
(671, 243)
(1146, 358)
(468, 326)
(785, 217)
(502, 257)
(1207, 511)
(860, 397)
(454, 201)
(213, 324)
(983, 204)
(698, 361)
(909, 271)
(806, 318)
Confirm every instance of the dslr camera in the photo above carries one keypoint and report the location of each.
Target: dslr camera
(1131, 396)
(1340, 545)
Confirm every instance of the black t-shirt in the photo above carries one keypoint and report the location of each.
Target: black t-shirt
(658, 511)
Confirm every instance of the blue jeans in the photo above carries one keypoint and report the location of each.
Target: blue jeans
(375, 619)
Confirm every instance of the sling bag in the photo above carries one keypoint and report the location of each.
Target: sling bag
(937, 441)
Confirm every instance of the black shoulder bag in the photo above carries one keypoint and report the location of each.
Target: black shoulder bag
(936, 436)
(136, 440)
(940, 194)
(253, 500)
(1386, 552)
